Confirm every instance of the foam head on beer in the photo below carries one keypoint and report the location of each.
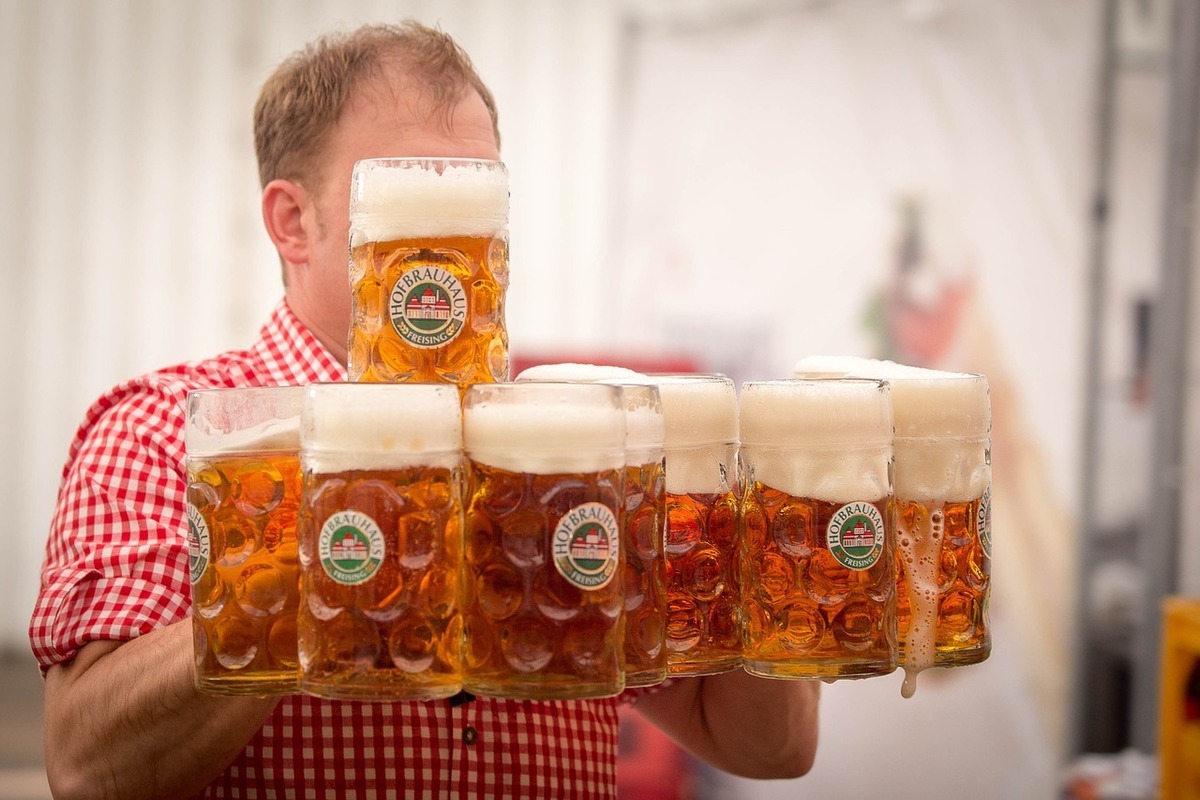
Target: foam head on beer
(827, 440)
(574, 372)
(243, 420)
(943, 423)
(393, 199)
(643, 407)
(360, 426)
(942, 457)
(545, 428)
(700, 423)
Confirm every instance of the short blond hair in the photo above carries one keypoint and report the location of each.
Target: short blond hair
(302, 99)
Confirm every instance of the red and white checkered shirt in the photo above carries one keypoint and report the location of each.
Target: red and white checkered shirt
(117, 567)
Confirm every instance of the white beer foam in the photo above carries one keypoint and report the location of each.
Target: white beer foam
(389, 202)
(645, 427)
(361, 426)
(824, 439)
(276, 435)
(833, 367)
(840, 476)
(643, 413)
(700, 432)
(546, 436)
(817, 412)
(278, 408)
(573, 372)
(943, 426)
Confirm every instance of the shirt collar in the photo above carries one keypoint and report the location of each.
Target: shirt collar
(292, 354)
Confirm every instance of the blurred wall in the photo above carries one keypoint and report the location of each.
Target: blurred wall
(889, 179)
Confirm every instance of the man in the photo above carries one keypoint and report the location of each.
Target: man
(110, 628)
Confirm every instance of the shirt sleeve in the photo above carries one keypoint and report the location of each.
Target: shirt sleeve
(116, 556)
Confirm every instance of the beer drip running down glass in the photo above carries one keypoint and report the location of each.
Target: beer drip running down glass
(942, 509)
(543, 578)
(428, 271)
(817, 554)
(704, 628)
(243, 497)
(643, 515)
(381, 542)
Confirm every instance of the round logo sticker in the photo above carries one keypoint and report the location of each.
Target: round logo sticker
(199, 543)
(586, 545)
(428, 306)
(983, 521)
(350, 547)
(855, 535)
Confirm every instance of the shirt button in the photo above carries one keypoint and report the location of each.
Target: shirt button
(469, 735)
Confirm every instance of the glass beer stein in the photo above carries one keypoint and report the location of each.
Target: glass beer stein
(703, 595)
(381, 541)
(428, 271)
(817, 556)
(243, 496)
(543, 578)
(942, 510)
(643, 514)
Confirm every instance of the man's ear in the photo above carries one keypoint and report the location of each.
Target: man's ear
(284, 204)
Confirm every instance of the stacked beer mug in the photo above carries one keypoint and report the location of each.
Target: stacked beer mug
(431, 527)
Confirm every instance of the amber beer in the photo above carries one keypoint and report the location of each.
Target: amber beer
(428, 271)
(243, 496)
(381, 542)
(703, 594)
(942, 511)
(643, 535)
(543, 583)
(817, 556)
(643, 514)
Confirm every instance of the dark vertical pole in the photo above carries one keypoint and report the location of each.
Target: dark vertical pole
(1097, 286)
(1159, 542)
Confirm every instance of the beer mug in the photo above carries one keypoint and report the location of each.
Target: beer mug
(243, 496)
(543, 584)
(643, 514)
(428, 271)
(700, 439)
(943, 517)
(817, 556)
(643, 532)
(942, 511)
(381, 541)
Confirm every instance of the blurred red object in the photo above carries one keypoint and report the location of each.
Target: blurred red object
(649, 765)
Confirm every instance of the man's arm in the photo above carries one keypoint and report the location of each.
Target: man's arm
(748, 726)
(124, 720)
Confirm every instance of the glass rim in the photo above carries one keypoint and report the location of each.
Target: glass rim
(543, 389)
(385, 161)
(807, 379)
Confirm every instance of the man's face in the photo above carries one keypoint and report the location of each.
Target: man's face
(382, 120)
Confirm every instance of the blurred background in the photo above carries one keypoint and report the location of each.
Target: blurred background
(1000, 186)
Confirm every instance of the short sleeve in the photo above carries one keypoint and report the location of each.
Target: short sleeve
(116, 556)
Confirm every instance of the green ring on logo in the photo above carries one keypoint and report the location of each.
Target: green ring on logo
(587, 546)
(350, 547)
(427, 306)
(983, 521)
(199, 543)
(855, 535)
